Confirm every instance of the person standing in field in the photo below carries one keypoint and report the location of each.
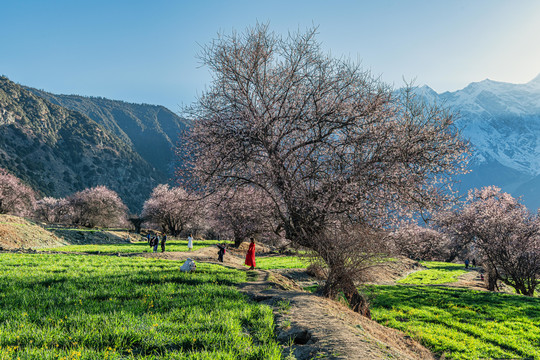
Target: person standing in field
(156, 243)
(250, 256)
(150, 241)
(221, 252)
(163, 240)
(190, 242)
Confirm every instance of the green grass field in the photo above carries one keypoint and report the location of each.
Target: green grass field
(437, 273)
(281, 262)
(93, 307)
(138, 247)
(462, 324)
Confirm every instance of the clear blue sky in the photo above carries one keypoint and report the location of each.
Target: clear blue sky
(145, 51)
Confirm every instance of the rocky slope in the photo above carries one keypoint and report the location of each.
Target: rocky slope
(151, 130)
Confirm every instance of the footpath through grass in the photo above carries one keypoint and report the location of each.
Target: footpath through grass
(437, 273)
(138, 247)
(93, 307)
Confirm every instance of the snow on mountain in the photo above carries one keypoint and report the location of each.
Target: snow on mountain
(502, 122)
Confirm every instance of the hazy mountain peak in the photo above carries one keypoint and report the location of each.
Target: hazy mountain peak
(534, 83)
(502, 122)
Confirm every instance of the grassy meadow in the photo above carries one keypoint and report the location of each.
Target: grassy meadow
(135, 247)
(459, 323)
(436, 273)
(65, 306)
(281, 262)
(68, 306)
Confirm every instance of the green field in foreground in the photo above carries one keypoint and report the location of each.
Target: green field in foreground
(437, 273)
(94, 307)
(462, 324)
(138, 247)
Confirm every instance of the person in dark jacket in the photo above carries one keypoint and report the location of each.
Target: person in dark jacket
(221, 252)
(163, 240)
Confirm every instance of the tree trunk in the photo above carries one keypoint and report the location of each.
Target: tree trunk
(357, 301)
(338, 280)
(491, 279)
(238, 241)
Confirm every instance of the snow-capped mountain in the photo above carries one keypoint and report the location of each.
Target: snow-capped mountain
(502, 122)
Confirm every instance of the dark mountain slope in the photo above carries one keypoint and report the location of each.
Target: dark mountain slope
(152, 130)
(59, 151)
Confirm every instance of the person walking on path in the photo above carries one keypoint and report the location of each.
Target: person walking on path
(190, 242)
(163, 240)
(466, 263)
(250, 256)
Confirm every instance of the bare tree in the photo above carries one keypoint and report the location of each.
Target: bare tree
(505, 235)
(16, 198)
(321, 137)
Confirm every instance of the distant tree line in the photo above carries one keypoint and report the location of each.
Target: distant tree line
(172, 210)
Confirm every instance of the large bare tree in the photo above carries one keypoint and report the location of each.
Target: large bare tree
(326, 141)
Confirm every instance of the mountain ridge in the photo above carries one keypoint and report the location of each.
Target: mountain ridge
(59, 151)
(152, 130)
(502, 122)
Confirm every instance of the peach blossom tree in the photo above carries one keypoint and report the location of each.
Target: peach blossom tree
(97, 206)
(504, 234)
(243, 213)
(16, 198)
(324, 140)
(171, 208)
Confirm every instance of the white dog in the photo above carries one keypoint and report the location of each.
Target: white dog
(188, 266)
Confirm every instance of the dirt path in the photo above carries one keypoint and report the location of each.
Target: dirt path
(470, 280)
(313, 327)
(310, 326)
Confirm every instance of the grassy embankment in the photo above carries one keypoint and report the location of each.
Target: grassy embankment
(80, 307)
(459, 323)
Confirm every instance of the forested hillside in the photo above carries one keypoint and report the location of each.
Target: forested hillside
(59, 151)
(152, 130)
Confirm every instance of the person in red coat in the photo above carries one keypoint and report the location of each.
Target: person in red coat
(250, 256)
